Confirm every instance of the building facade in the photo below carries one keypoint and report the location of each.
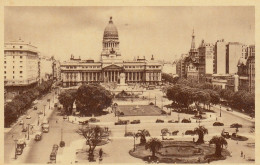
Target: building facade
(219, 61)
(251, 67)
(233, 54)
(21, 67)
(111, 65)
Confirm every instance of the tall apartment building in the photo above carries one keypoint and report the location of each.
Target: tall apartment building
(251, 67)
(20, 64)
(219, 60)
(206, 54)
(180, 66)
(233, 54)
(45, 68)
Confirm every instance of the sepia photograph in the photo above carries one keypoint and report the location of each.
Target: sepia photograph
(129, 84)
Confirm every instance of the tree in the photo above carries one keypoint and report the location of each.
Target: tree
(219, 141)
(10, 113)
(93, 98)
(200, 131)
(154, 145)
(67, 99)
(169, 78)
(142, 134)
(93, 135)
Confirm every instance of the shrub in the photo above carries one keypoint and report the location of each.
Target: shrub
(185, 121)
(151, 103)
(122, 114)
(163, 112)
(218, 124)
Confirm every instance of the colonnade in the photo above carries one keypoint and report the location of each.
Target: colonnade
(111, 76)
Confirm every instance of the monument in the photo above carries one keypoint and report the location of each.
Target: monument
(122, 80)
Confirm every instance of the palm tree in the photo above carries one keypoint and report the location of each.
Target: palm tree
(142, 134)
(200, 131)
(219, 141)
(154, 145)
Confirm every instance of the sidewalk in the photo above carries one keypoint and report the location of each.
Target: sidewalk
(238, 114)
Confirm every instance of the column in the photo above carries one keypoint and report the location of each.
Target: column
(136, 76)
(110, 76)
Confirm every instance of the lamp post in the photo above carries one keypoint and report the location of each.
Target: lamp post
(155, 100)
(44, 110)
(28, 129)
(15, 146)
(220, 111)
(38, 119)
(134, 140)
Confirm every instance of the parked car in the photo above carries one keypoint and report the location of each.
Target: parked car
(93, 120)
(28, 117)
(218, 124)
(135, 122)
(175, 132)
(121, 122)
(185, 121)
(229, 109)
(225, 135)
(236, 125)
(35, 108)
(190, 132)
(159, 121)
(21, 122)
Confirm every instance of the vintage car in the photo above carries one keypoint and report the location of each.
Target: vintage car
(135, 122)
(159, 121)
(38, 136)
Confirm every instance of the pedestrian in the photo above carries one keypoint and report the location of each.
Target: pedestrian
(100, 153)
(241, 154)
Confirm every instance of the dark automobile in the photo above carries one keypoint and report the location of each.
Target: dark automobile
(175, 132)
(121, 122)
(159, 121)
(236, 125)
(93, 120)
(218, 124)
(190, 132)
(35, 108)
(135, 122)
(186, 121)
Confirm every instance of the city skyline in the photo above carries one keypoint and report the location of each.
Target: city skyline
(80, 32)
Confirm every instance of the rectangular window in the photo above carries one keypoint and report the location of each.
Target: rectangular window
(21, 71)
(13, 72)
(5, 67)
(13, 77)
(21, 61)
(5, 72)
(5, 77)
(13, 56)
(21, 76)
(21, 57)
(21, 47)
(21, 66)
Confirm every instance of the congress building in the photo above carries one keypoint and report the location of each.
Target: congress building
(142, 71)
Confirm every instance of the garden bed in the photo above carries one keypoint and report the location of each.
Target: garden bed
(180, 152)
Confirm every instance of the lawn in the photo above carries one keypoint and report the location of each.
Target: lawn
(139, 110)
(180, 152)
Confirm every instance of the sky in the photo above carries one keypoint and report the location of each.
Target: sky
(164, 32)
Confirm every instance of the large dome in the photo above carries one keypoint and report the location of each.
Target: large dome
(110, 31)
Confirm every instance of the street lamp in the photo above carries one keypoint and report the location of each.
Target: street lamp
(155, 100)
(220, 111)
(134, 135)
(44, 109)
(28, 131)
(38, 119)
(15, 146)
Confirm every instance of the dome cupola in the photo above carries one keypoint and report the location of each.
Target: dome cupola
(110, 31)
